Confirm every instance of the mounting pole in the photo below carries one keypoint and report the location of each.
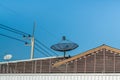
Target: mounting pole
(32, 42)
(64, 38)
(64, 54)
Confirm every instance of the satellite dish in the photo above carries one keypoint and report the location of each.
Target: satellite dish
(7, 57)
(64, 45)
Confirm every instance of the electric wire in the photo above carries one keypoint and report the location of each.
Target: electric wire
(50, 33)
(13, 30)
(45, 47)
(10, 30)
(12, 37)
(8, 8)
(25, 41)
(13, 11)
(41, 51)
(23, 33)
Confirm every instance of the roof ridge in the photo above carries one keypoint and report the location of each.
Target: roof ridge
(87, 52)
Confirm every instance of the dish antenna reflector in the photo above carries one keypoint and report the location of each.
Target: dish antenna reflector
(64, 46)
(7, 57)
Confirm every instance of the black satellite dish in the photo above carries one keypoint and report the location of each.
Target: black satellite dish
(64, 45)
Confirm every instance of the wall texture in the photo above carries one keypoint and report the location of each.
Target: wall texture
(60, 76)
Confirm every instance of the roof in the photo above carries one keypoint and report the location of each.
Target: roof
(115, 50)
(31, 59)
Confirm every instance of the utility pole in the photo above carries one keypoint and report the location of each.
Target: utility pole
(32, 42)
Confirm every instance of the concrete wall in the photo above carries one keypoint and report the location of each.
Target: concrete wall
(60, 76)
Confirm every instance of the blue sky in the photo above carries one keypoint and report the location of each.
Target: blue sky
(89, 23)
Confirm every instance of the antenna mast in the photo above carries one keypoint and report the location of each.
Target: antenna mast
(32, 42)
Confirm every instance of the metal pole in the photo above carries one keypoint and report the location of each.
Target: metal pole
(94, 62)
(85, 64)
(104, 60)
(66, 67)
(64, 53)
(35, 66)
(75, 66)
(15, 68)
(0, 68)
(32, 71)
(50, 65)
(41, 66)
(114, 62)
(32, 48)
(32, 43)
(7, 67)
(24, 67)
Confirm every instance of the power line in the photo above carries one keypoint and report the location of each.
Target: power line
(10, 30)
(12, 38)
(46, 47)
(50, 33)
(43, 49)
(23, 33)
(7, 8)
(13, 11)
(40, 51)
(13, 30)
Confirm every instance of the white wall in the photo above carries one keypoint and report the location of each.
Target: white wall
(64, 76)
